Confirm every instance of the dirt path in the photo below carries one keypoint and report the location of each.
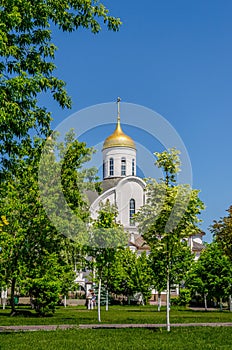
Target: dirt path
(112, 326)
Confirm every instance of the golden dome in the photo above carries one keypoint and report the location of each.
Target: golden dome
(118, 139)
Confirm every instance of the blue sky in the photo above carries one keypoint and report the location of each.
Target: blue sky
(174, 57)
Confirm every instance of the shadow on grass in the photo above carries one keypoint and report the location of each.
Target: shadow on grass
(204, 310)
(25, 313)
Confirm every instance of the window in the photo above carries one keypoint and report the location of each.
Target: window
(104, 170)
(133, 167)
(123, 166)
(111, 166)
(132, 211)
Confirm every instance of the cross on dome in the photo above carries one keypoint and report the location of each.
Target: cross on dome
(118, 138)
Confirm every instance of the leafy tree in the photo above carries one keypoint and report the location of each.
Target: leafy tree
(30, 238)
(106, 237)
(222, 231)
(27, 65)
(122, 272)
(3, 222)
(170, 214)
(183, 298)
(211, 275)
(47, 283)
(180, 263)
(142, 276)
(27, 71)
(130, 274)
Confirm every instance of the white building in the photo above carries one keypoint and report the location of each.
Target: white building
(123, 188)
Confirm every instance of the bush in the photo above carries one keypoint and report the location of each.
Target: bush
(183, 299)
(44, 294)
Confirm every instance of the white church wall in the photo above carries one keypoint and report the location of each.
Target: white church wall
(129, 188)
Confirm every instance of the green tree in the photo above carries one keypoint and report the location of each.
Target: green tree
(30, 238)
(180, 263)
(106, 237)
(170, 214)
(211, 275)
(122, 272)
(27, 65)
(222, 231)
(131, 274)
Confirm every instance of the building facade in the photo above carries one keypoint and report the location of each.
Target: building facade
(123, 188)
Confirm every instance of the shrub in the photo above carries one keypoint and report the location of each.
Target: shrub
(183, 299)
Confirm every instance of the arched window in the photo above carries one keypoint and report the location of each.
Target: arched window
(111, 166)
(123, 166)
(133, 167)
(132, 211)
(104, 170)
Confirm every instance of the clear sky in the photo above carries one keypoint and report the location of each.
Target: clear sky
(174, 57)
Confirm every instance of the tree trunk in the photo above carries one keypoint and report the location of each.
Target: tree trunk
(99, 301)
(220, 304)
(159, 301)
(205, 301)
(230, 303)
(107, 300)
(65, 301)
(12, 300)
(168, 301)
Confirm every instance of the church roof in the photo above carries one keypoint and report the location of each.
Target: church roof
(110, 183)
(91, 195)
(118, 138)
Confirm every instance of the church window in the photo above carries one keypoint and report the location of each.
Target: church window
(132, 211)
(104, 170)
(123, 166)
(111, 166)
(133, 167)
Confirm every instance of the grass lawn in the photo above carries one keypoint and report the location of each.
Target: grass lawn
(196, 338)
(116, 314)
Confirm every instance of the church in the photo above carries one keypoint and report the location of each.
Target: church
(123, 188)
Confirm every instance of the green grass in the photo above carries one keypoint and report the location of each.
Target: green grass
(196, 338)
(116, 314)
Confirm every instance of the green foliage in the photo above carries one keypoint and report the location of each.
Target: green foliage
(45, 293)
(27, 71)
(106, 237)
(27, 65)
(180, 263)
(30, 239)
(131, 274)
(168, 218)
(169, 161)
(106, 233)
(222, 231)
(183, 298)
(211, 274)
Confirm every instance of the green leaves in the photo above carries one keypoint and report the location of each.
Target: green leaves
(169, 161)
(168, 218)
(27, 65)
(212, 273)
(106, 233)
(222, 231)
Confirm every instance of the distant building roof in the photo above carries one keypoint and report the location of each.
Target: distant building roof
(140, 244)
(197, 246)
